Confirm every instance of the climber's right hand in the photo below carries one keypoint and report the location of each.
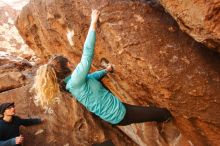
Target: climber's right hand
(110, 68)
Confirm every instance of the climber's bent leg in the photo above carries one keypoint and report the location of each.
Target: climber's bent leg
(138, 114)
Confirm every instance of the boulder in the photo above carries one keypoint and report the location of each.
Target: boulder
(10, 40)
(198, 18)
(155, 63)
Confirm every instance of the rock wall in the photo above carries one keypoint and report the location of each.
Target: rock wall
(155, 63)
(10, 40)
(198, 18)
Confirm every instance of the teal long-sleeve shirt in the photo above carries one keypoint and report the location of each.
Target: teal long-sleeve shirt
(89, 91)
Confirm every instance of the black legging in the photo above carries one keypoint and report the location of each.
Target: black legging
(105, 143)
(138, 114)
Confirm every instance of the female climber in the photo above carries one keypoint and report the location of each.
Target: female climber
(88, 89)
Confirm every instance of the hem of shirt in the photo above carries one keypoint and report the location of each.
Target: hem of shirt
(123, 116)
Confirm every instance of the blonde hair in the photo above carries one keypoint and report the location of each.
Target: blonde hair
(46, 86)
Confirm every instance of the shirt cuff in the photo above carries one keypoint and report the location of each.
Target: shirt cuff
(13, 141)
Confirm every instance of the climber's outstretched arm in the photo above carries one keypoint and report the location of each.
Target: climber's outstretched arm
(80, 73)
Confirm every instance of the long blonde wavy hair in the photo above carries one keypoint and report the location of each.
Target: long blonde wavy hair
(49, 79)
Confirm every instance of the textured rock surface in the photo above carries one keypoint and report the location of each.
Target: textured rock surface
(10, 40)
(155, 63)
(15, 4)
(69, 125)
(199, 18)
